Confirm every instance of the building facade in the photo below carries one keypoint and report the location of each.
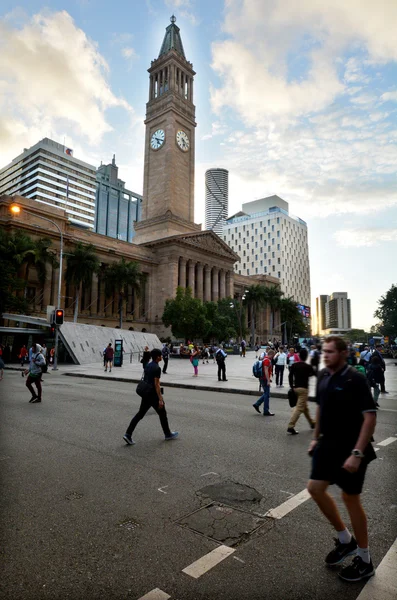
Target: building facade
(270, 241)
(48, 173)
(116, 207)
(338, 313)
(321, 325)
(216, 199)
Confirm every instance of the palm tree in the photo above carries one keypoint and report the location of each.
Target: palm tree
(273, 298)
(118, 277)
(82, 263)
(40, 257)
(255, 298)
(290, 314)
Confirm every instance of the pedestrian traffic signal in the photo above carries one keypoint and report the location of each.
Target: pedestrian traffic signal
(52, 330)
(59, 316)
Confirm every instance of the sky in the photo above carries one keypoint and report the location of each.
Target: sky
(297, 99)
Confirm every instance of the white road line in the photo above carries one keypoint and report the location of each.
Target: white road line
(290, 504)
(155, 594)
(387, 441)
(207, 562)
(162, 489)
(384, 585)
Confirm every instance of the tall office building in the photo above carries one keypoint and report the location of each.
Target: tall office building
(48, 173)
(338, 313)
(270, 241)
(216, 199)
(320, 314)
(116, 207)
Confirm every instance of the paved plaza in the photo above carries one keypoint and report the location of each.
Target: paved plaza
(219, 513)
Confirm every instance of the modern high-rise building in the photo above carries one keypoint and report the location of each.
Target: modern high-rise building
(270, 241)
(338, 314)
(48, 173)
(116, 207)
(216, 199)
(320, 314)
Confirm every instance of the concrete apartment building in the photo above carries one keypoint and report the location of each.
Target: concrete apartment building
(333, 314)
(270, 241)
(48, 173)
(320, 322)
(216, 199)
(116, 207)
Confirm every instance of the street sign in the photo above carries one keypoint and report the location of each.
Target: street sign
(118, 353)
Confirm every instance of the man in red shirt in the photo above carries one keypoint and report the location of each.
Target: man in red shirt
(109, 357)
(265, 380)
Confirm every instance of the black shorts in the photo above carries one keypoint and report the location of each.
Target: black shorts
(328, 467)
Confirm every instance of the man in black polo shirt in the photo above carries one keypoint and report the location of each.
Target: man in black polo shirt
(154, 398)
(341, 450)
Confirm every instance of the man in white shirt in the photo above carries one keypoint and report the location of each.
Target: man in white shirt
(365, 356)
(280, 361)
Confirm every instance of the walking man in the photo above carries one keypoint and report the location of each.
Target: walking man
(265, 381)
(243, 348)
(298, 378)
(280, 361)
(377, 353)
(23, 355)
(165, 354)
(34, 373)
(341, 450)
(109, 353)
(154, 399)
(220, 357)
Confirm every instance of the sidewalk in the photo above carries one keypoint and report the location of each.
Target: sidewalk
(180, 374)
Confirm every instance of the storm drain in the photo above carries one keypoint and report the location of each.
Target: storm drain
(223, 523)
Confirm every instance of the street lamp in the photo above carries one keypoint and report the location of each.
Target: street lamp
(240, 312)
(16, 210)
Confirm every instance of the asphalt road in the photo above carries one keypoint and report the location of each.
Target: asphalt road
(84, 516)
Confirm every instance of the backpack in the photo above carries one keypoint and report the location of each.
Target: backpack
(360, 369)
(257, 369)
(44, 368)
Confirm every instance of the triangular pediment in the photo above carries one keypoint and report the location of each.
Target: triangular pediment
(206, 241)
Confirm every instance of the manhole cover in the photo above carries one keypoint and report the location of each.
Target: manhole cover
(130, 524)
(230, 492)
(222, 523)
(74, 496)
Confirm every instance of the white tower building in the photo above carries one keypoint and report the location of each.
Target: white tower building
(270, 241)
(216, 199)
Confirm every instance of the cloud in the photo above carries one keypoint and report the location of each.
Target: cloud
(184, 9)
(53, 77)
(389, 96)
(357, 238)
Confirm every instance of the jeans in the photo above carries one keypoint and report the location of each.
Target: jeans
(146, 403)
(165, 360)
(279, 374)
(265, 398)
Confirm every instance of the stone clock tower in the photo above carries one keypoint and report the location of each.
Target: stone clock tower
(168, 187)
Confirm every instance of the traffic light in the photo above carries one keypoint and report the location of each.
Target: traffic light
(59, 316)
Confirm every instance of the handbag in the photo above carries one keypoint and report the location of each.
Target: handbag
(143, 388)
(292, 398)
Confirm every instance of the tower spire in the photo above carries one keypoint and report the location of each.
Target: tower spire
(172, 39)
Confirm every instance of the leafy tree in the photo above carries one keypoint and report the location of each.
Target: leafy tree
(387, 312)
(290, 315)
(39, 257)
(224, 323)
(14, 248)
(186, 315)
(118, 277)
(82, 263)
(255, 298)
(357, 335)
(273, 298)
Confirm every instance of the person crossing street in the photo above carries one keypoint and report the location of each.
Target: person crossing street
(265, 381)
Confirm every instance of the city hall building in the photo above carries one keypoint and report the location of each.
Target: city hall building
(171, 249)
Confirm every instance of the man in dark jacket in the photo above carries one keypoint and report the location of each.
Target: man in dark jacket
(298, 378)
(377, 353)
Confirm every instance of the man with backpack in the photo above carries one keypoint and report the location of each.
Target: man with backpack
(220, 357)
(263, 371)
(109, 353)
(37, 366)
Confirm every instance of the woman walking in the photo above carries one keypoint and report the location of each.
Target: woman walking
(195, 359)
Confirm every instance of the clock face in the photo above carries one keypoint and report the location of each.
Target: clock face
(157, 139)
(183, 141)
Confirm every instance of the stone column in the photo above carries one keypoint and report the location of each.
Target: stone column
(222, 282)
(63, 285)
(137, 306)
(101, 292)
(228, 285)
(199, 282)
(94, 294)
(191, 275)
(215, 284)
(182, 272)
(47, 287)
(207, 283)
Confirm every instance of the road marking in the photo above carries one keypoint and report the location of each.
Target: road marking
(162, 489)
(376, 449)
(239, 559)
(387, 441)
(207, 562)
(210, 473)
(280, 511)
(383, 586)
(290, 494)
(155, 594)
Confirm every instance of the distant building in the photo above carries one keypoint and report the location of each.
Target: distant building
(49, 173)
(270, 241)
(116, 207)
(216, 199)
(338, 314)
(320, 314)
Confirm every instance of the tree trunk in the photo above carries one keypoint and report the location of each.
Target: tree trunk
(271, 323)
(76, 304)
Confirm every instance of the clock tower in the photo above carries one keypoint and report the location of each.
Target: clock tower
(168, 186)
